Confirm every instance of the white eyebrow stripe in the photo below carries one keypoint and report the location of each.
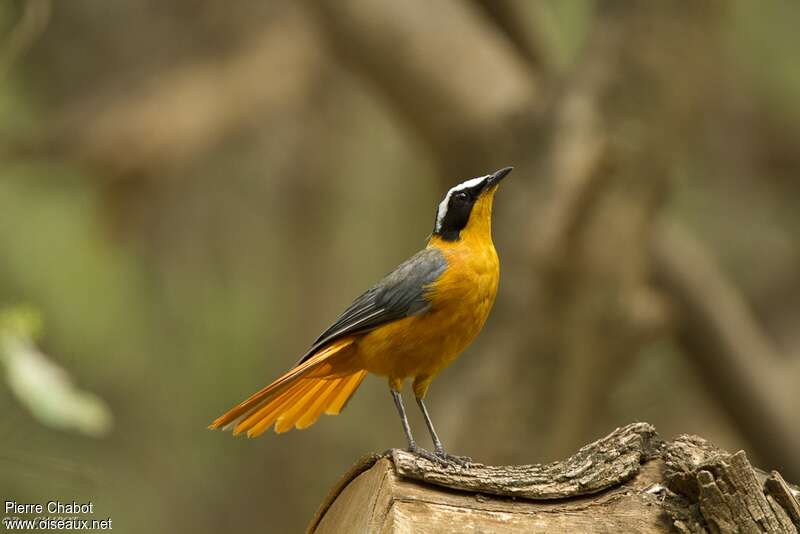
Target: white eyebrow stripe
(442, 212)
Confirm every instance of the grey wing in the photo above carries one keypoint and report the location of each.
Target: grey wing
(401, 293)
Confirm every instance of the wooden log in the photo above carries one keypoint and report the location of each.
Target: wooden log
(629, 481)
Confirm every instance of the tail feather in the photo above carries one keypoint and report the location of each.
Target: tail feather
(273, 410)
(265, 415)
(298, 406)
(279, 385)
(315, 410)
(297, 399)
(288, 418)
(343, 394)
(341, 386)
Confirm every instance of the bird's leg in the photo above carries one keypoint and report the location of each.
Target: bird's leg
(412, 445)
(437, 443)
(438, 449)
(398, 402)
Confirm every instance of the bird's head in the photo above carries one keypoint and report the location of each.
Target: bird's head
(467, 208)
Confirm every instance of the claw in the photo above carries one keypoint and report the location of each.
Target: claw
(437, 457)
(442, 458)
(428, 455)
(462, 461)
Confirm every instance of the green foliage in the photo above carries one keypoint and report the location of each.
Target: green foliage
(43, 387)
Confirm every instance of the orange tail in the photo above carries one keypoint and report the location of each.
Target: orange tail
(300, 396)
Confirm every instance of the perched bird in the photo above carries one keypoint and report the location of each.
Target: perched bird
(410, 325)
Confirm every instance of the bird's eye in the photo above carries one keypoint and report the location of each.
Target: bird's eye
(460, 197)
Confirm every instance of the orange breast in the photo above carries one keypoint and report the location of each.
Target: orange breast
(461, 299)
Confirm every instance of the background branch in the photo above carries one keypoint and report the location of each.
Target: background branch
(729, 349)
(33, 21)
(399, 48)
(531, 28)
(167, 122)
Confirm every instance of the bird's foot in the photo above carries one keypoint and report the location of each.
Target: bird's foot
(428, 455)
(418, 451)
(437, 457)
(440, 457)
(452, 459)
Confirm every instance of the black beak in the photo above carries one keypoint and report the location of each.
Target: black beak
(496, 176)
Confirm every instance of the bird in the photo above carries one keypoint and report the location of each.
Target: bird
(409, 326)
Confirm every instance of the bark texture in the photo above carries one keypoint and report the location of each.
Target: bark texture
(629, 481)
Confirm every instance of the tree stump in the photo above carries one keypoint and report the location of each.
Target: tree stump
(629, 481)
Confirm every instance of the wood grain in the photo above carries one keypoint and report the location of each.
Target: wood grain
(629, 481)
(595, 467)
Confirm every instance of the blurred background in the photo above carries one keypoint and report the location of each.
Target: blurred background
(190, 191)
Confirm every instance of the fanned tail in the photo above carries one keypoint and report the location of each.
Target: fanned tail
(299, 397)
